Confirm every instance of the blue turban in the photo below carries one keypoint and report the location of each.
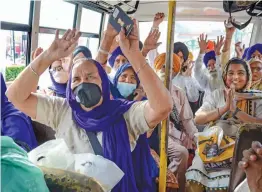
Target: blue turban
(253, 49)
(208, 56)
(114, 55)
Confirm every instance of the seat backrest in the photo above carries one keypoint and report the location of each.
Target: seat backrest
(43, 133)
(246, 135)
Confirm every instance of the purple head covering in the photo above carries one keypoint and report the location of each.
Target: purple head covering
(208, 56)
(114, 55)
(121, 70)
(58, 88)
(16, 124)
(108, 118)
(245, 53)
(253, 49)
(82, 49)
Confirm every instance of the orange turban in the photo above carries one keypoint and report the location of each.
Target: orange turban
(210, 45)
(160, 61)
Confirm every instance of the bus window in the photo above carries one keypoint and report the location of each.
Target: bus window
(189, 31)
(91, 43)
(57, 14)
(15, 11)
(13, 53)
(90, 21)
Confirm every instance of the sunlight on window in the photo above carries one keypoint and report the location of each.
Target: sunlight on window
(15, 11)
(57, 14)
(188, 32)
(13, 53)
(90, 21)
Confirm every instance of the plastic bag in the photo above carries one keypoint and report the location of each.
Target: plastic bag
(104, 171)
(215, 149)
(53, 154)
(17, 172)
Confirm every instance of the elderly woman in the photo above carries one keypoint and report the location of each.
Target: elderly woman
(88, 114)
(256, 68)
(16, 124)
(182, 128)
(226, 108)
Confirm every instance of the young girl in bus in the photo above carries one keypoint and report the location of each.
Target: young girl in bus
(117, 124)
(225, 108)
(182, 127)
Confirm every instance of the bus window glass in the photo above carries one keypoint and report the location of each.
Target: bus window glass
(189, 31)
(13, 53)
(90, 21)
(57, 14)
(15, 11)
(91, 43)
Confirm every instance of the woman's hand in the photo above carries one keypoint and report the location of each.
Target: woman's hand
(228, 94)
(202, 42)
(239, 50)
(140, 94)
(37, 52)
(218, 45)
(189, 69)
(62, 47)
(151, 42)
(130, 44)
(158, 19)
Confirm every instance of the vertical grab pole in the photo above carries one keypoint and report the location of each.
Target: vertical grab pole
(168, 64)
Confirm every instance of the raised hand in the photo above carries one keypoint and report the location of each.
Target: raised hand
(62, 47)
(218, 45)
(129, 44)
(230, 29)
(151, 41)
(239, 50)
(158, 19)
(202, 42)
(37, 52)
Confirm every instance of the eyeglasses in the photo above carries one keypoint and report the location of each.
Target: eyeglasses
(256, 69)
(56, 69)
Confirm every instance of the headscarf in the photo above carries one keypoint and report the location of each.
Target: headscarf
(140, 149)
(114, 55)
(58, 88)
(160, 61)
(191, 56)
(14, 123)
(253, 49)
(121, 70)
(108, 118)
(179, 46)
(245, 53)
(82, 49)
(247, 68)
(208, 56)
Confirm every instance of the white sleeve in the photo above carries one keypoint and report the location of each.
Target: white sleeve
(51, 110)
(152, 56)
(201, 72)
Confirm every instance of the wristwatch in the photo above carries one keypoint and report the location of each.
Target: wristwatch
(235, 113)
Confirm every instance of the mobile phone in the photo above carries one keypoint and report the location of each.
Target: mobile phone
(119, 19)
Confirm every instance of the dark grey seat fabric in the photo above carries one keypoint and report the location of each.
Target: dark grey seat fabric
(246, 135)
(43, 133)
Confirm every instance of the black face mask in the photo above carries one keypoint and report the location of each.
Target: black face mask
(88, 94)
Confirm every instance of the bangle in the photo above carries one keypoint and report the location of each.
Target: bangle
(104, 52)
(235, 113)
(154, 28)
(138, 71)
(33, 71)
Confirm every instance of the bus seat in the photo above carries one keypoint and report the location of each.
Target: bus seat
(246, 134)
(58, 180)
(43, 133)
